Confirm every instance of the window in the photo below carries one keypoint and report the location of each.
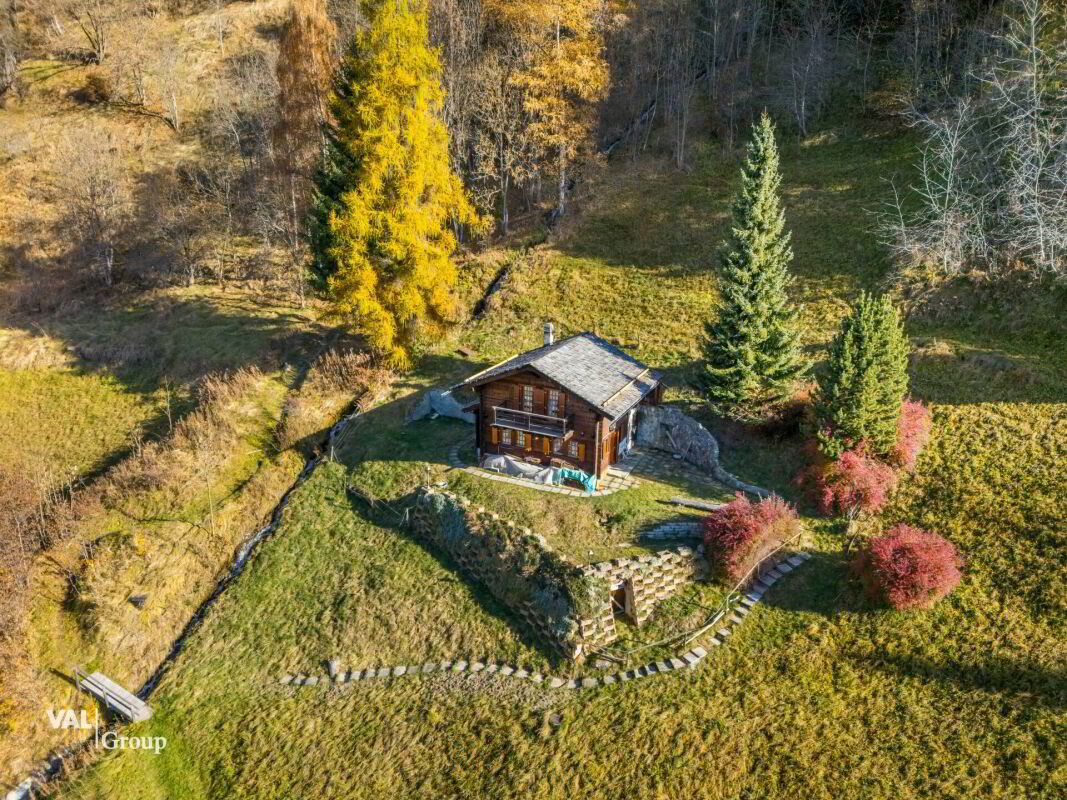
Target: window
(527, 398)
(557, 445)
(572, 449)
(520, 438)
(505, 436)
(553, 403)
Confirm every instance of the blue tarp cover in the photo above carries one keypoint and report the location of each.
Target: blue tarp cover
(587, 481)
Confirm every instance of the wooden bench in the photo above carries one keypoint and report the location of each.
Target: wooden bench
(113, 696)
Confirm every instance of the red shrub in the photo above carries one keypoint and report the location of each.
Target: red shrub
(908, 567)
(913, 432)
(742, 533)
(853, 482)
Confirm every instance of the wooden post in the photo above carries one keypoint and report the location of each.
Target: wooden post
(598, 446)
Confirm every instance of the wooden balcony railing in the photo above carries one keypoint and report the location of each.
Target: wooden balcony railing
(541, 424)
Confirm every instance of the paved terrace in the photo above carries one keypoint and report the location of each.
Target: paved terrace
(653, 464)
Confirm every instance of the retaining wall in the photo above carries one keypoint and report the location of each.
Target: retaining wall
(516, 565)
(567, 605)
(645, 581)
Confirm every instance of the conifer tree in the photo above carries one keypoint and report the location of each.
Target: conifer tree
(861, 395)
(386, 196)
(752, 355)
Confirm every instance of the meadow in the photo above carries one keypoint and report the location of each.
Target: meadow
(817, 695)
(153, 434)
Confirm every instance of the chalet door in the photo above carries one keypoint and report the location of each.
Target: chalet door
(611, 447)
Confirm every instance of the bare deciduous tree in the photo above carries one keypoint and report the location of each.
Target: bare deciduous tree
(93, 19)
(992, 189)
(94, 192)
(811, 45)
(504, 154)
(9, 47)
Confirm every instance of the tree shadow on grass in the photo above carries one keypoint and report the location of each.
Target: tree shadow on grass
(997, 675)
(818, 586)
(393, 516)
(170, 343)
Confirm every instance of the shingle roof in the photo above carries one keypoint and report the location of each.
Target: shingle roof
(596, 371)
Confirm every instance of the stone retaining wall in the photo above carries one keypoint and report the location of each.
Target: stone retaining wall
(566, 605)
(546, 591)
(645, 581)
(672, 531)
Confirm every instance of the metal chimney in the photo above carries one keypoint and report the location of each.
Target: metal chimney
(550, 336)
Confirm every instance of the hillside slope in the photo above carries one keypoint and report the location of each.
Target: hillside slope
(815, 696)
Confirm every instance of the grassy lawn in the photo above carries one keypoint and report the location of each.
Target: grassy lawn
(814, 696)
(589, 529)
(95, 380)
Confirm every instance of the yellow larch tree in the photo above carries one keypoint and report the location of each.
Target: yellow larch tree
(565, 76)
(387, 202)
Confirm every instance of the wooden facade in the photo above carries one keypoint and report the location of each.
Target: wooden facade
(548, 424)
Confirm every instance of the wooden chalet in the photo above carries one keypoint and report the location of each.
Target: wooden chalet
(571, 403)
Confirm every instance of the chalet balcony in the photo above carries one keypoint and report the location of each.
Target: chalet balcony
(540, 424)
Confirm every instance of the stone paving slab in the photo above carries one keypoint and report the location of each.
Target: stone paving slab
(653, 464)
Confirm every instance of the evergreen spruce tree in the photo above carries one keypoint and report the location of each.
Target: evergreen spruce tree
(752, 355)
(860, 396)
(386, 197)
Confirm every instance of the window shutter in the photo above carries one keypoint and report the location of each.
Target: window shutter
(581, 452)
(546, 444)
(494, 435)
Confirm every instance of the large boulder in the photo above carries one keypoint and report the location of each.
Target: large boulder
(668, 428)
(443, 403)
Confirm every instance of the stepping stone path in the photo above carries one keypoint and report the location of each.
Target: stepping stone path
(687, 660)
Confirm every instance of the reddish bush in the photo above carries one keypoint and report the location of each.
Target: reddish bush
(853, 482)
(741, 533)
(913, 432)
(908, 567)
